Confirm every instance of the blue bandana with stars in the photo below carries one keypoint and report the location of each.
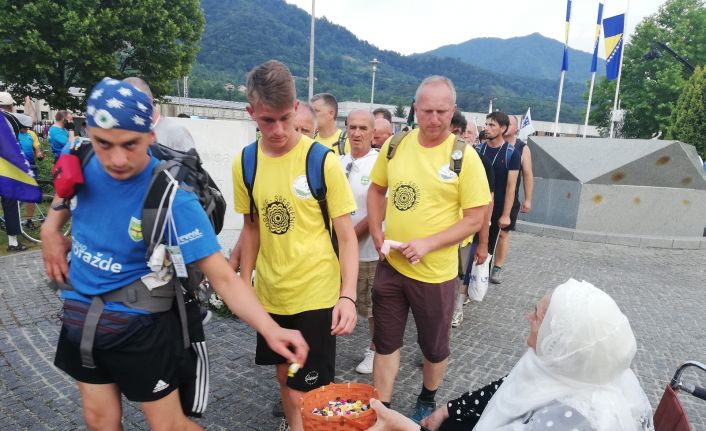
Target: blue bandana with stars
(116, 104)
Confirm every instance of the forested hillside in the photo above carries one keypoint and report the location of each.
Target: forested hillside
(240, 34)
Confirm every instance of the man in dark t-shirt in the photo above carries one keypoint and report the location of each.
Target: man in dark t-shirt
(505, 160)
(527, 177)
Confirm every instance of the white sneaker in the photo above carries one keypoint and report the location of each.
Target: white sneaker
(457, 319)
(366, 365)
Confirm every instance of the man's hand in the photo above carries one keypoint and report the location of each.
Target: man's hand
(390, 420)
(415, 249)
(234, 259)
(288, 343)
(55, 246)
(526, 206)
(344, 317)
(481, 253)
(378, 239)
(434, 421)
(504, 221)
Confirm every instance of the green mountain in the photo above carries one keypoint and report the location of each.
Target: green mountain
(532, 56)
(240, 34)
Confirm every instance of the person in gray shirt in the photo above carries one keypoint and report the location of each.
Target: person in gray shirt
(168, 131)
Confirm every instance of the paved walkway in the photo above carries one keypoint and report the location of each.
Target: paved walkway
(661, 291)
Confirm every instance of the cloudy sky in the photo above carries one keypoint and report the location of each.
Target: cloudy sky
(410, 26)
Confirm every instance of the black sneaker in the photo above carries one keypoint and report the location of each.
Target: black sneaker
(278, 408)
(18, 247)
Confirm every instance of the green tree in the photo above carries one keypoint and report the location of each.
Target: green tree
(46, 46)
(649, 90)
(689, 117)
(399, 111)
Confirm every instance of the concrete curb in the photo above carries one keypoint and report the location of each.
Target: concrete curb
(643, 241)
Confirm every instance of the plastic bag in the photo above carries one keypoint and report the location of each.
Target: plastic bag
(480, 275)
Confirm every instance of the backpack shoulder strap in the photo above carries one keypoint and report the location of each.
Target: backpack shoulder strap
(155, 205)
(394, 143)
(315, 178)
(457, 153)
(248, 162)
(341, 143)
(508, 153)
(83, 150)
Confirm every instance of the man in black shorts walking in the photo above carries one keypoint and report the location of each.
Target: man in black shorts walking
(136, 348)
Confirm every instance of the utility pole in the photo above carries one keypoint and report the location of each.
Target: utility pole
(374, 63)
(311, 50)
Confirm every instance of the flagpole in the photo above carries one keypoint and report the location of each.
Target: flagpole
(558, 103)
(594, 64)
(588, 107)
(564, 65)
(620, 72)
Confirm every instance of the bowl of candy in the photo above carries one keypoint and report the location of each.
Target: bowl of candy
(338, 407)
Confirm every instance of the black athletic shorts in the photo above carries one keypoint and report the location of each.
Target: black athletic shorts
(513, 217)
(320, 367)
(145, 366)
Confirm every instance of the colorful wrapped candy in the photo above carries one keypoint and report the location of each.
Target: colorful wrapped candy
(340, 407)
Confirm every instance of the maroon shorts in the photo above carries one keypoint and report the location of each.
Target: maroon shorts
(432, 306)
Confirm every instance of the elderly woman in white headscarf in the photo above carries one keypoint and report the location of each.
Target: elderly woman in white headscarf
(574, 376)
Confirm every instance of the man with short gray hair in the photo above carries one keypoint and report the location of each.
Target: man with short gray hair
(429, 211)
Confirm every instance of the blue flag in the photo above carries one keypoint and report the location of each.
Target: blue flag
(613, 28)
(594, 62)
(565, 60)
(16, 178)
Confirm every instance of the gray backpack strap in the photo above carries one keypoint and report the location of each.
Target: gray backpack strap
(394, 143)
(88, 333)
(182, 315)
(134, 295)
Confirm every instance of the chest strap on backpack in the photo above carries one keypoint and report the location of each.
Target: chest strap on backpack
(134, 295)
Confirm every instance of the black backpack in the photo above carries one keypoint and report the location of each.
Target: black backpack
(187, 169)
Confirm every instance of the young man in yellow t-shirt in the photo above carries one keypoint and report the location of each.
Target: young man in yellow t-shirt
(299, 280)
(430, 210)
(326, 108)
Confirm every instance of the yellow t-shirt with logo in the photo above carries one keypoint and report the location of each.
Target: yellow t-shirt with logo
(332, 140)
(426, 197)
(297, 269)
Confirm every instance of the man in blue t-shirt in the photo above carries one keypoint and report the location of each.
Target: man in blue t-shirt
(59, 135)
(135, 352)
(505, 160)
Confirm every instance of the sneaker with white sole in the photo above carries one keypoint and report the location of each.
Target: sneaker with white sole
(366, 365)
(457, 319)
(496, 276)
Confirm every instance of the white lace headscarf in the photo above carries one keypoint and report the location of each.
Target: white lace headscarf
(584, 349)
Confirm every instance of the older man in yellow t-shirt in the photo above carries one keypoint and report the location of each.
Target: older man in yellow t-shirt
(430, 210)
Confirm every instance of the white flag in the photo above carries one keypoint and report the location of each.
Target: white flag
(526, 127)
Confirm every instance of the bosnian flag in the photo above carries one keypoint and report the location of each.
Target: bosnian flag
(526, 127)
(16, 178)
(613, 29)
